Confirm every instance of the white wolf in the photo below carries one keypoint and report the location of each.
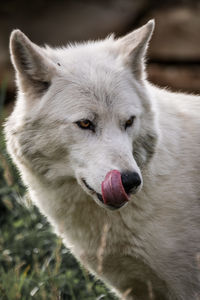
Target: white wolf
(103, 150)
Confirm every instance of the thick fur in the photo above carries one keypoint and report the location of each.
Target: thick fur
(152, 244)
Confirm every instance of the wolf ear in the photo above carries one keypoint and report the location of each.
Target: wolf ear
(34, 69)
(133, 47)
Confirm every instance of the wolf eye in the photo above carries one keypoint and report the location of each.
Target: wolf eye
(86, 124)
(129, 122)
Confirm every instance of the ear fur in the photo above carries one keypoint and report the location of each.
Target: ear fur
(34, 69)
(133, 47)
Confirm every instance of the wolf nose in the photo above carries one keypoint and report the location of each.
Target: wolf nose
(130, 181)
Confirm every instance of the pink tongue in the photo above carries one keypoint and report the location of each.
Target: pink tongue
(113, 192)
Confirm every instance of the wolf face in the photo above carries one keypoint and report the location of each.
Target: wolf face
(82, 112)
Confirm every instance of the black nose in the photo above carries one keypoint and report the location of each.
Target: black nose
(130, 181)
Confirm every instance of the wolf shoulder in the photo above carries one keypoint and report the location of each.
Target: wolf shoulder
(179, 103)
(178, 124)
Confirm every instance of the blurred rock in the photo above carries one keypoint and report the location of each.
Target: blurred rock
(176, 36)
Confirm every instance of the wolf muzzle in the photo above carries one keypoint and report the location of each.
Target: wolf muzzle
(117, 187)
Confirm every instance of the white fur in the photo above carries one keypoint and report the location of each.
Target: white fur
(155, 239)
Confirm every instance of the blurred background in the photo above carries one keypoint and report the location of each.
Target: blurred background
(174, 54)
(33, 262)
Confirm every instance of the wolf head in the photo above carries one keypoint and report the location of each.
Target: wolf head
(84, 112)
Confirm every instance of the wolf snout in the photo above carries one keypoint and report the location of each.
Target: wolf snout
(117, 187)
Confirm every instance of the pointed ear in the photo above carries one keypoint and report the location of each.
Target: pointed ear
(133, 47)
(34, 69)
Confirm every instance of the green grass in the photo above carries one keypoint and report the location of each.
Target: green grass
(34, 264)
